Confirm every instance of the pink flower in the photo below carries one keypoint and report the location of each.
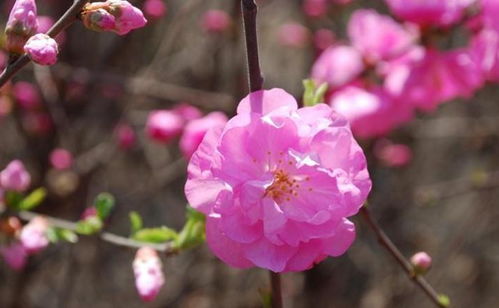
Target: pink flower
(429, 12)
(293, 35)
(148, 271)
(154, 8)
(315, 8)
(277, 184)
(338, 65)
(33, 235)
(61, 159)
(421, 262)
(196, 129)
(187, 112)
(164, 125)
(42, 49)
(378, 37)
(324, 38)
(15, 177)
(15, 256)
(485, 47)
(125, 135)
(370, 113)
(392, 155)
(215, 21)
(21, 25)
(26, 95)
(118, 16)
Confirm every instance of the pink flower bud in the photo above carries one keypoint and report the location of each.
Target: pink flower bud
(125, 136)
(42, 49)
(127, 16)
(15, 256)
(33, 236)
(293, 35)
(187, 112)
(196, 129)
(154, 8)
(392, 155)
(164, 125)
(148, 271)
(26, 95)
(98, 19)
(15, 177)
(21, 25)
(61, 159)
(421, 262)
(215, 21)
(323, 38)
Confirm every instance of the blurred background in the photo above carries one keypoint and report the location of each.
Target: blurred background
(95, 104)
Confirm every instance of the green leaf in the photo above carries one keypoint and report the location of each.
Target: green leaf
(135, 222)
(313, 94)
(155, 235)
(104, 203)
(33, 200)
(193, 233)
(51, 235)
(443, 300)
(90, 225)
(13, 199)
(55, 235)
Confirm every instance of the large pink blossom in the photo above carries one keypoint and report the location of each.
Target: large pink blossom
(379, 37)
(277, 184)
(430, 12)
(372, 113)
(338, 65)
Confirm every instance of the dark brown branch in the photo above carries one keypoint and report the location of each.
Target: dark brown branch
(385, 241)
(275, 283)
(250, 9)
(65, 21)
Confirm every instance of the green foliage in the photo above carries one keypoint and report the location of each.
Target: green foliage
(104, 203)
(89, 225)
(135, 222)
(443, 300)
(33, 200)
(193, 233)
(155, 235)
(55, 235)
(313, 94)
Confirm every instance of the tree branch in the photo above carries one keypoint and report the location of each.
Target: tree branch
(250, 9)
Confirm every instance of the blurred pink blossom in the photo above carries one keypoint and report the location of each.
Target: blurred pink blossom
(215, 21)
(42, 49)
(154, 8)
(148, 270)
(34, 235)
(61, 159)
(164, 125)
(195, 131)
(15, 177)
(15, 256)
(187, 112)
(338, 65)
(324, 38)
(26, 95)
(391, 154)
(277, 184)
(21, 25)
(315, 8)
(293, 35)
(125, 135)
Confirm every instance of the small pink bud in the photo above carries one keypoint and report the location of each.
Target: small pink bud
(42, 49)
(196, 129)
(90, 211)
(15, 256)
(127, 16)
(293, 35)
(21, 25)
(15, 177)
(215, 21)
(421, 262)
(315, 8)
(154, 8)
(187, 112)
(125, 136)
(164, 125)
(148, 271)
(392, 155)
(26, 95)
(61, 159)
(33, 236)
(98, 20)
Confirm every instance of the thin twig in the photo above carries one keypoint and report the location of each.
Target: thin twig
(65, 21)
(249, 19)
(114, 239)
(385, 241)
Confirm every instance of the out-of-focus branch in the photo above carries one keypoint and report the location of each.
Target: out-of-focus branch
(385, 241)
(114, 239)
(70, 16)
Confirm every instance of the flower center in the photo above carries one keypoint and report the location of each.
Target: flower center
(283, 187)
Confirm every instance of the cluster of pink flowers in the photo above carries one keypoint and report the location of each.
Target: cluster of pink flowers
(184, 121)
(277, 184)
(148, 270)
(390, 70)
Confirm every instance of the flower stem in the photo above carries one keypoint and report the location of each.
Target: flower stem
(70, 16)
(385, 241)
(275, 282)
(250, 9)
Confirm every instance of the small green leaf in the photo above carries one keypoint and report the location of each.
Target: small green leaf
(13, 199)
(51, 235)
(443, 300)
(68, 236)
(313, 94)
(155, 235)
(33, 200)
(89, 225)
(135, 222)
(193, 233)
(104, 203)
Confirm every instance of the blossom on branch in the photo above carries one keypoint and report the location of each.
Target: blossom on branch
(148, 270)
(42, 49)
(278, 183)
(22, 24)
(113, 15)
(15, 177)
